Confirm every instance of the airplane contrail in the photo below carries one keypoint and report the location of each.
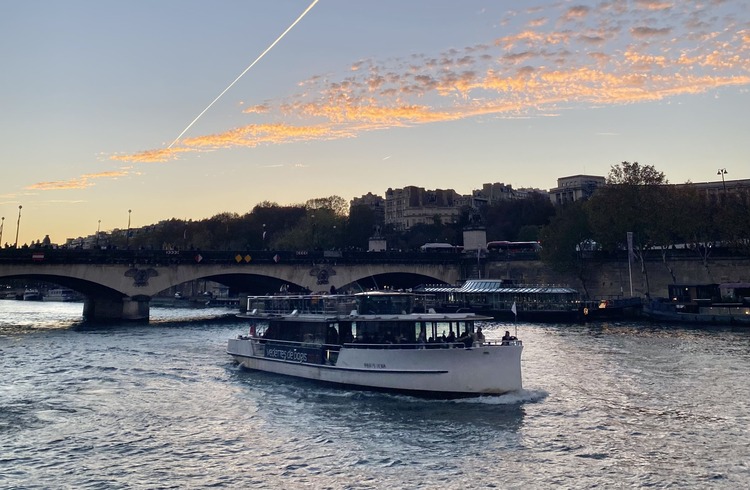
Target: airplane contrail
(246, 70)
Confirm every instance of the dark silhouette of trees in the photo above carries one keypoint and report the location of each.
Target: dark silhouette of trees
(505, 220)
(665, 220)
(566, 241)
(360, 227)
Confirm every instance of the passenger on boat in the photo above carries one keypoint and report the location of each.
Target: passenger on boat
(507, 338)
(451, 337)
(480, 335)
(332, 336)
(466, 339)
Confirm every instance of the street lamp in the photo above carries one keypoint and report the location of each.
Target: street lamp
(98, 227)
(2, 225)
(18, 225)
(127, 235)
(264, 236)
(312, 216)
(722, 172)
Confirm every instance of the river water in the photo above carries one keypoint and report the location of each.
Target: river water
(162, 406)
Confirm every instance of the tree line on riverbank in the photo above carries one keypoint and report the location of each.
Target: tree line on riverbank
(662, 220)
(637, 199)
(329, 223)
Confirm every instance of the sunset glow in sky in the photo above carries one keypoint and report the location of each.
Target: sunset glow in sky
(357, 97)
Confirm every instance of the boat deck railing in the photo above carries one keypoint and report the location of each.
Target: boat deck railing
(385, 346)
(330, 304)
(301, 304)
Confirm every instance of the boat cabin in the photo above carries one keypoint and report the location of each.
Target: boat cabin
(384, 319)
(502, 294)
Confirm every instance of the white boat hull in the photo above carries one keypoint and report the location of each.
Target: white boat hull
(488, 369)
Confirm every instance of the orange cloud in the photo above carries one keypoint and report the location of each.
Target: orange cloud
(77, 183)
(576, 12)
(257, 134)
(653, 4)
(152, 156)
(643, 31)
(81, 182)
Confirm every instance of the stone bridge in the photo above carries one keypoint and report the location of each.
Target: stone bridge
(119, 284)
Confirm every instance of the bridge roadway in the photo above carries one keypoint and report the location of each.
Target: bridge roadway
(119, 284)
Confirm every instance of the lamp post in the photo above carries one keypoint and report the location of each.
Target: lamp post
(722, 172)
(263, 236)
(98, 227)
(127, 234)
(312, 216)
(2, 225)
(18, 225)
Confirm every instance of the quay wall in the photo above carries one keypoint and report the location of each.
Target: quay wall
(611, 278)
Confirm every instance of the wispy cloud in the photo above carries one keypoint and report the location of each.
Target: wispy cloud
(82, 182)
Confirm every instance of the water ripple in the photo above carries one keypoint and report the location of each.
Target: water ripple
(162, 406)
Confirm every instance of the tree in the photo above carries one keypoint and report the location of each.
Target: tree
(360, 227)
(336, 204)
(563, 238)
(627, 173)
(505, 219)
(628, 203)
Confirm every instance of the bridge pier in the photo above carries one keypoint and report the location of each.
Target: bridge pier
(107, 309)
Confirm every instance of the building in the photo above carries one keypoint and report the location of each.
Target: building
(714, 190)
(575, 188)
(412, 205)
(374, 202)
(493, 193)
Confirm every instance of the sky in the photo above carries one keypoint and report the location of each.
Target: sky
(113, 111)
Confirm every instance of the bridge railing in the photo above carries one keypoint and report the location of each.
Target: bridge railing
(226, 257)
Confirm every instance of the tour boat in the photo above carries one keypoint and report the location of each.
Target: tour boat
(62, 294)
(32, 294)
(709, 304)
(505, 300)
(379, 340)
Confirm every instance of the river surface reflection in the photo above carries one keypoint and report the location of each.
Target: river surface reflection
(163, 406)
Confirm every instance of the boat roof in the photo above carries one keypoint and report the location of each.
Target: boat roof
(498, 286)
(381, 292)
(427, 317)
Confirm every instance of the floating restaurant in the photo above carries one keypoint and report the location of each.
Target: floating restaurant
(503, 299)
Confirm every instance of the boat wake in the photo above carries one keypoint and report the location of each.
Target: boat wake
(512, 398)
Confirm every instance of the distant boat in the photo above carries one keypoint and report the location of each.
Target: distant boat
(62, 294)
(708, 304)
(32, 294)
(505, 300)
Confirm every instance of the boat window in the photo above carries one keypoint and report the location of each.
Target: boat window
(347, 332)
(386, 332)
(332, 333)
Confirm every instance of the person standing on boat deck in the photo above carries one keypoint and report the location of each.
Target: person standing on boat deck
(451, 337)
(332, 336)
(480, 335)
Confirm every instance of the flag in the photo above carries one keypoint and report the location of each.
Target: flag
(513, 309)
